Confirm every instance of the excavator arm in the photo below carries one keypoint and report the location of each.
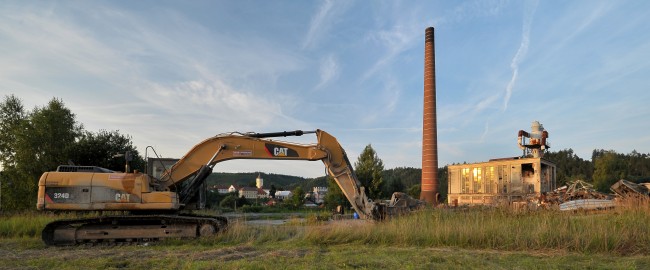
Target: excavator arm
(197, 164)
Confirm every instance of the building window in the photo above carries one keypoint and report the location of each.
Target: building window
(478, 183)
(502, 172)
(490, 180)
(465, 181)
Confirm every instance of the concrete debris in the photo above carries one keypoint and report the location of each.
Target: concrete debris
(627, 189)
(576, 194)
(587, 204)
(581, 195)
(401, 203)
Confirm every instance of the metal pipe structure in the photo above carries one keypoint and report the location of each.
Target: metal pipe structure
(429, 185)
(537, 144)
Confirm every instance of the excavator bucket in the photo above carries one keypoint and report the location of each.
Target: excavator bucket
(401, 203)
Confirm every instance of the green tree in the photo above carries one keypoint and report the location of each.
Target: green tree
(213, 199)
(229, 201)
(42, 142)
(272, 191)
(368, 169)
(414, 191)
(242, 201)
(12, 117)
(407, 175)
(334, 196)
(100, 149)
(609, 168)
(47, 139)
(297, 197)
(394, 185)
(639, 167)
(570, 167)
(443, 181)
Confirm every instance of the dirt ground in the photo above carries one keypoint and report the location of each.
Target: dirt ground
(32, 254)
(12, 251)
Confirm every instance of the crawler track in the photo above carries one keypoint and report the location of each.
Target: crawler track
(130, 229)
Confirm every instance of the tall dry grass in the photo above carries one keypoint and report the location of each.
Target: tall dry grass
(618, 231)
(623, 230)
(28, 224)
(31, 223)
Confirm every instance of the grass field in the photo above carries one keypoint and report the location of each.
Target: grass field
(30, 254)
(442, 238)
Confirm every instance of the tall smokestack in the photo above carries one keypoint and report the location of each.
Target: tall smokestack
(429, 126)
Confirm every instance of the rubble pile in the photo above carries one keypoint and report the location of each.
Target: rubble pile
(626, 189)
(579, 194)
(575, 190)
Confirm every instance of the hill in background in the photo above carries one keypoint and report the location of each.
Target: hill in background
(406, 176)
(281, 181)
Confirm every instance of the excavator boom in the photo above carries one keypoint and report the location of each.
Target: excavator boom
(257, 146)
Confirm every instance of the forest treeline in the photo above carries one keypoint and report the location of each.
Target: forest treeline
(604, 169)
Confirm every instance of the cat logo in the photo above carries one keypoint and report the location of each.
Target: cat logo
(122, 197)
(280, 152)
(275, 150)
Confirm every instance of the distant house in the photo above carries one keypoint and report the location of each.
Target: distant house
(282, 195)
(252, 193)
(220, 189)
(318, 194)
(262, 193)
(233, 188)
(248, 192)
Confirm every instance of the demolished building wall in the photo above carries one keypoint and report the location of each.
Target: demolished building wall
(500, 180)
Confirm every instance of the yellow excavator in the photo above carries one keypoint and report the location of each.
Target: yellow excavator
(155, 204)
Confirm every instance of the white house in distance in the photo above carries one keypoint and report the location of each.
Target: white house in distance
(233, 188)
(252, 193)
(248, 192)
(318, 194)
(220, 189)
(282, 195)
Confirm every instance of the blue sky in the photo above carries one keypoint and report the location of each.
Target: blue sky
(172, 73)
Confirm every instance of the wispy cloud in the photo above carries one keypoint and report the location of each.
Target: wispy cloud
(160, 75)
(471, 9)
(396, 40)
(322, 21)
(57, 45)
(215, 99)
(387, 100)
(391, 96)
(329, 70)
(407, 30)
(529, 12)
(486, 130)
(318, 24)
(485, 103)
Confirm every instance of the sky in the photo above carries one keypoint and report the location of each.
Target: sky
(173, 73)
